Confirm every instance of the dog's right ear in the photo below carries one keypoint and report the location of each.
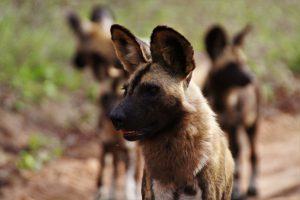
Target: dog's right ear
(173, 51)
(100, 12)
(75, 23)
(215, 41)
(238, 39)
(130, 50)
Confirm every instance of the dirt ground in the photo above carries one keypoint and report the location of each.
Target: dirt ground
(73, 176)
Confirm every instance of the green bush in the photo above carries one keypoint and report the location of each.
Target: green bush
(41, 149)
(34, 57)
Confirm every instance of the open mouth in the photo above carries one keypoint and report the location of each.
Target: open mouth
(132, 135)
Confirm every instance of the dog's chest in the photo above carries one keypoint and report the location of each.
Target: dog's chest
(169, 192)
(174, 162)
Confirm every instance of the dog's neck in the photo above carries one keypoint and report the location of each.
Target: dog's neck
(175, 157)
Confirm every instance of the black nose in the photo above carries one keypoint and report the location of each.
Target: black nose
(247, 79)
(117, 119)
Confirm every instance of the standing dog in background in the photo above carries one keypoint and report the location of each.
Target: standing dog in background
(186, 154)
(95, 50)
(234, 96)
(94, 47)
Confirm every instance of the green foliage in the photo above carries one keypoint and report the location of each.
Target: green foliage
(36, 45)
(295, 64)
(27, 161)
(41, 149)
(34, 60)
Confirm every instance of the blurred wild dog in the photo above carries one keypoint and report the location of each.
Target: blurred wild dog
(94, 46)
(95, 50)
(234, 95)
(113, 143)
(186, 154)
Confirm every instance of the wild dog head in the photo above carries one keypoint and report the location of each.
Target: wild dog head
(94, 46)
(228, 60)
(153, 95)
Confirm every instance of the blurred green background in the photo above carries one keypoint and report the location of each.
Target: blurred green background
(36, 44)
(48, 110)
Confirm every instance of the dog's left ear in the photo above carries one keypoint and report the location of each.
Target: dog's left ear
(75, 23)
(216, 41)
(238, 39)
(172, 50)
(131, 51)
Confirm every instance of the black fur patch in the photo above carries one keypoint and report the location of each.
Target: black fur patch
(231, 75)
(176, 195)
(202, 183)
(79, 60)
(118, 64)
(149, 115)
(190, 190)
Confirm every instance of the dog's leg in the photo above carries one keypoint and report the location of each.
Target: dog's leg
(251, 133)
(146, 190)
(100, 175)
(130, 161)
(102, 166)
(115, 175)
(235, 150)
(138, 170)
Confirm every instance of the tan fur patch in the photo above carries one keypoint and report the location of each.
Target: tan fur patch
(188, 146)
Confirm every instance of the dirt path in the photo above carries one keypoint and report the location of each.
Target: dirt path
(74, 178)
(279, 147)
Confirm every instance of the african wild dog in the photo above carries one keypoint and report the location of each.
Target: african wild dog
(94, 46)
(234, 95)
(95, 50)
(185, 152)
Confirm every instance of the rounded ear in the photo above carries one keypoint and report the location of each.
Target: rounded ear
(74, 23)
(130, 50)
(238, 39)
(172, 50)
(215, 41)
(101, 12)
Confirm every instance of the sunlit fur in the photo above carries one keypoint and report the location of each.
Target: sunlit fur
(189, 156)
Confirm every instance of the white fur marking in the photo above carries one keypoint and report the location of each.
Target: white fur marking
(130, 181)
(201, 164)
